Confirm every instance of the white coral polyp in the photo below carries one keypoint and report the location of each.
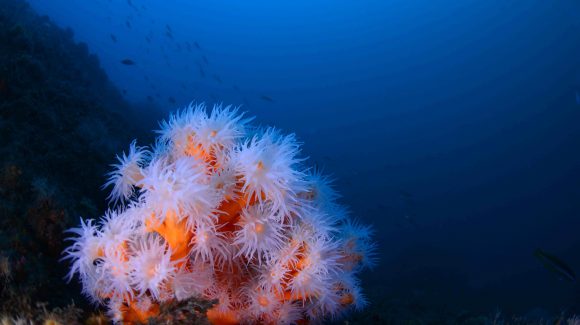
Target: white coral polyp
(151, 266)
(126, 173)
(220, 214)
(221, 129)
(84, 250)
(116, 229)
(179, 130)
(259, 232)
(209, 245)
(187, 283)
(113, 276)
(223, 182)
(262, 302)
(267, 166)
(181, 187)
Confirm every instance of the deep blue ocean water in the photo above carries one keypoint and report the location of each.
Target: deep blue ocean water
(451, 126)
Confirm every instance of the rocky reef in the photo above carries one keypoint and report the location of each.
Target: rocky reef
(61, 121)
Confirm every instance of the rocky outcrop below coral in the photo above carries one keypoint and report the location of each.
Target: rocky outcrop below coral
(61, 124)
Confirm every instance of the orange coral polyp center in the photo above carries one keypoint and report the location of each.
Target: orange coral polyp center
(263, 301)
(194, 149)
(133, 172)
(259, 228)
(213, 133)
(151, 271)
(347, 299)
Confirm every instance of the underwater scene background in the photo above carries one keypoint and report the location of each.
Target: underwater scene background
(451, 127)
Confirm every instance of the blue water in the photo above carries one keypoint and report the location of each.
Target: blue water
(452, 126)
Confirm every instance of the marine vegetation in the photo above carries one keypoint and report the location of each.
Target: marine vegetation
(224, 211)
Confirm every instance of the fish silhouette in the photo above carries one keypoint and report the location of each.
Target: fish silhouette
(266, 98)
(128, 62)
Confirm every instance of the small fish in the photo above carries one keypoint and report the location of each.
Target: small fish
(148, 39)
(124, 92)
(168, 31)
(236, 88)
(188, 46)
(266, 98)
(201, 72)
(149, 98)
(130, 3)
(114, 38)
(172, 100)
(217, 78)
(196, 44)
(205, 59)
(128, 24)
(555, 265)
(128, 62)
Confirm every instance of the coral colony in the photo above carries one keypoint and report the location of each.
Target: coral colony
(221, 211)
